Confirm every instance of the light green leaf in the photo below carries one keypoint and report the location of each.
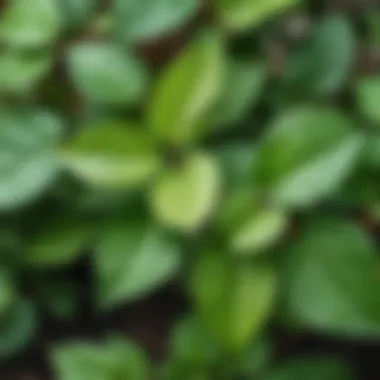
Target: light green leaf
(333, 280)
(368, 98)
(260, 231)
(306, 156)
(28, 163)
(239, 15)
(186, 93)
(111, 155)
(234, 298)
(116, 359)
(312, 368)
(242, 88)
(20, 73)
(185, 197)
(106, 75)
(27, 23)
(145, 19)
(17, 328)
(57, 241)
(131, 260)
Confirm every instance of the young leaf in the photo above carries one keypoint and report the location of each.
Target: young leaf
(234, 298)
(306, 156)
(131, 260)
(239, 15)
(185, 94)
(146, 19)
(106, 75)
(367, 98)
(185, 197)
(116, 359)
(57, 242)
(111, 155)
(28, 163)
(26, 23)
(312, 368)
(333, 280)
(259, 232)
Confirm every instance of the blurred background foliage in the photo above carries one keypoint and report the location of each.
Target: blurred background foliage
(220, 155)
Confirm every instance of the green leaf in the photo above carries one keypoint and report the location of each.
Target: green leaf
(332, 280)
(78, 11)
(323, 64)
(236, 160)
(146, 19)
(27, 23)
(57, 241)
(186, 196)
(242, 89)
(111, 155)
(306, 156)
(260, 231)
(239, 15)
(7, 293)
(106, 75)
(312, 368)
(28, 163)
(20, 73)
(367, 98)
(184, 96)
(17, 328)
(192, 345)
(131, 260)
(116, 359)
(234, 298)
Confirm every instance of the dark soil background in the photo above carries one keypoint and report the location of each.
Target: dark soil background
(149, 322)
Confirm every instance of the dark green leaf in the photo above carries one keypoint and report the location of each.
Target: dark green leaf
(332, 280)
(131, 260)
(368, 98)
(58, 241)
(312, 368)
(323, 64)
(17, 328)
(241, 91)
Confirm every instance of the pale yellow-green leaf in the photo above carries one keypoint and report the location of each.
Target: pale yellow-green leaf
(234, 298)
(242, 14)
(185, 197)
(261, 231)
(188, 90)
(111, 155)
